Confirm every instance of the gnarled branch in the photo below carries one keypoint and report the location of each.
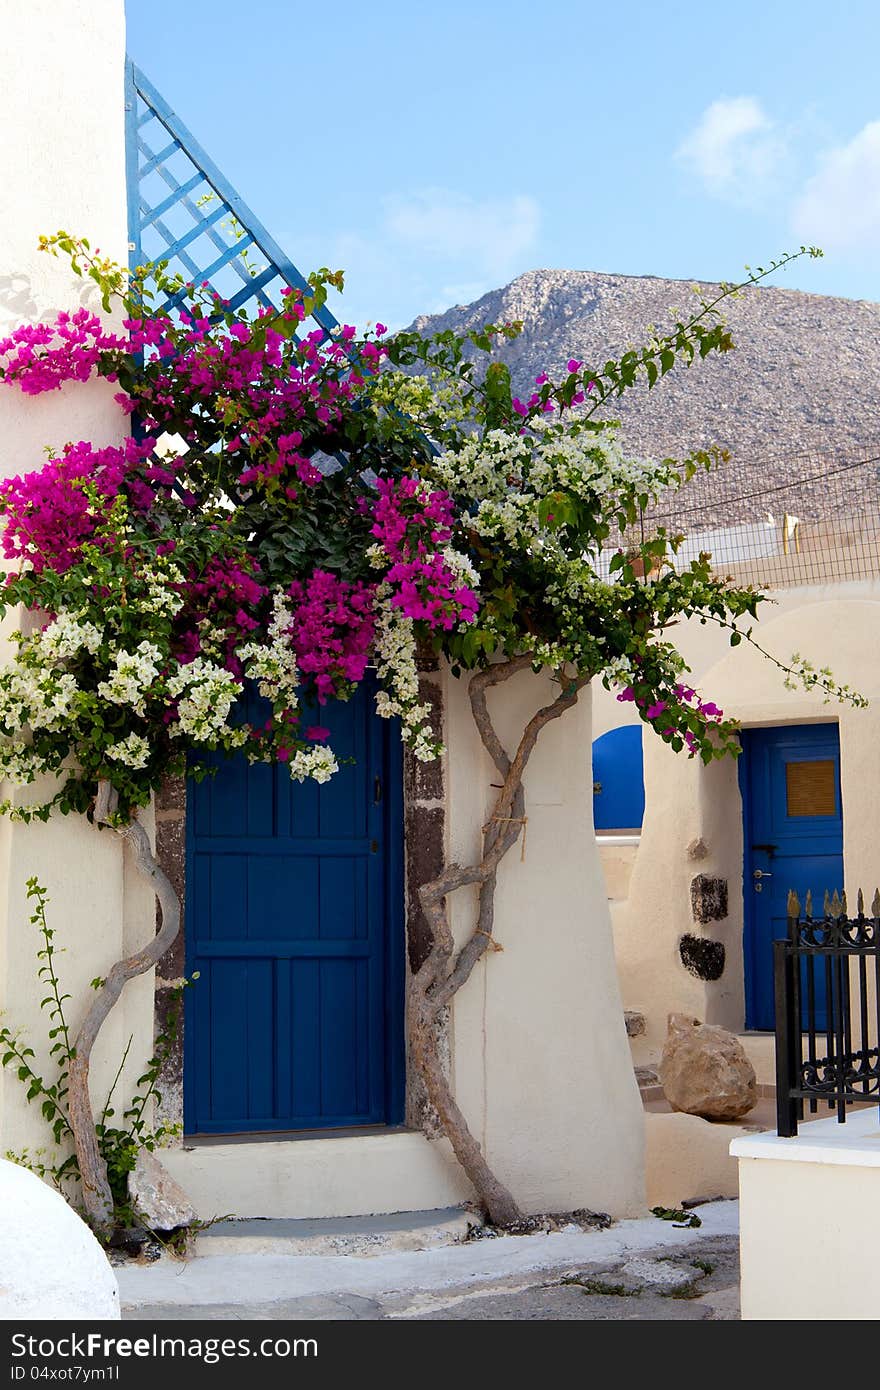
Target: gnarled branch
(96, 1193)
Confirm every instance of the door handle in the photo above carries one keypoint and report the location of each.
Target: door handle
(761, 873)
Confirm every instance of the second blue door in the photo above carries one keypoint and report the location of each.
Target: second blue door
(294, 923)
(793, 833)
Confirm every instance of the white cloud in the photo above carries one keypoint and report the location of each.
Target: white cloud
(486, 235)
(839, 206)
(735, 148)
(423, 251)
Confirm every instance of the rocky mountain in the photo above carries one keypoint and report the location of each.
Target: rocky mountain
(798, 398)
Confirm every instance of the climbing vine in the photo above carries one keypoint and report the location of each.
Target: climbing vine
(118, 1143)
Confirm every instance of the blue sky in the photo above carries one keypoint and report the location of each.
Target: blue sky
(436, 151)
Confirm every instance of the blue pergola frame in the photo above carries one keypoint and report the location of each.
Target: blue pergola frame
(170, 180)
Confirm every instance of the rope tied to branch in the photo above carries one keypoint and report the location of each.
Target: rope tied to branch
(512, 820)
(496, 945)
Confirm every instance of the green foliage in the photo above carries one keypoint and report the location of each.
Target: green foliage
(677, 1216)
(118, 1143)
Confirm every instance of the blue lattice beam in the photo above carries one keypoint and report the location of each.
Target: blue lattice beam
(182, 209)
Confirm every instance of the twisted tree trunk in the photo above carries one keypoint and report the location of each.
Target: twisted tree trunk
(444, 970)
(97, 1198)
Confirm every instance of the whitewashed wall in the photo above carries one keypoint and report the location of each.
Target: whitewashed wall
(62, 166)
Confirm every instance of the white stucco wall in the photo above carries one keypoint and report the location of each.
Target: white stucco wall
(62, 166)
(541, 1061)
(837, 625)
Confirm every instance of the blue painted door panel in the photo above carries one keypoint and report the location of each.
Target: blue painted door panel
(294, 922)
(799, 851)
(618, 779)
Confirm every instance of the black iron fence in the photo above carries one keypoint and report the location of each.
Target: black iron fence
(827, 983)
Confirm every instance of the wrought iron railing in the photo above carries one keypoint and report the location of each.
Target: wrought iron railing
(827, 984)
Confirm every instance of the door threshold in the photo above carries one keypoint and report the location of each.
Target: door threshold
(287, 1136)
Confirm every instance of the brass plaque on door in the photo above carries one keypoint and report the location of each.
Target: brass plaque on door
(811, 788)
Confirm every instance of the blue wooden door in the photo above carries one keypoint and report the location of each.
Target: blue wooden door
(294, 922)
(793, 836)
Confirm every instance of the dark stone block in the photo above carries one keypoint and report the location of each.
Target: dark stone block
(168, 1008)
(704, 959)
(708, 899)
(426, 657)
(172, 795)
(424, 862)
(171, 853)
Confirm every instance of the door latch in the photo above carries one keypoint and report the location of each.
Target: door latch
(377, 790)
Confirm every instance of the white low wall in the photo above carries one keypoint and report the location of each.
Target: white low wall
(810, 1222)
(52, 1267)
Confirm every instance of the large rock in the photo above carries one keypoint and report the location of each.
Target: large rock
(51, 1266)
(704, 1070)
(161, 1201)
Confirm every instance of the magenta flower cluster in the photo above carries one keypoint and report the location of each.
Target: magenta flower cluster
(331, 630)
(43, 356)
(411, 523)
(237, 372)
(667, 715)
(547, 407)
(49, 516)
(228, 594)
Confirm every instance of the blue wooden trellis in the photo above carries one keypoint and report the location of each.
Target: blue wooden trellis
(294, 913)
(182, 209)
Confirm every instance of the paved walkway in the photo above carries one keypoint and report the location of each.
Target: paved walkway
(639, 1270)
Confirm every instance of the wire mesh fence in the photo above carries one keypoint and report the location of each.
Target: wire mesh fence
(806, 519)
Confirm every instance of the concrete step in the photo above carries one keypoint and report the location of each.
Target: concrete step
(349, 1235)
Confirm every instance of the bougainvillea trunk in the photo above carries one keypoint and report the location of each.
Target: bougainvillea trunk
(96, 1194)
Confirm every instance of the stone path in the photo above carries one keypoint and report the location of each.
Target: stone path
(638, 1270)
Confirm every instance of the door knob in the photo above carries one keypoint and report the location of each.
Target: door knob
(761, 873)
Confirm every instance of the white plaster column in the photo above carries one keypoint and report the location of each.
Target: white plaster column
(62, 165)
(542, 1066)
